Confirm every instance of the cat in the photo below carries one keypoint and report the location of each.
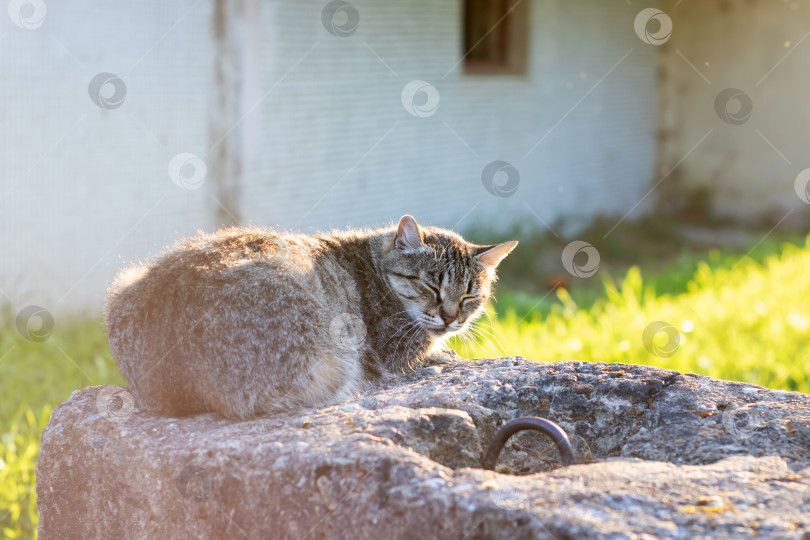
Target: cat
(250, 321)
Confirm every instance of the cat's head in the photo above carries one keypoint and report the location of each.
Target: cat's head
(443, 281)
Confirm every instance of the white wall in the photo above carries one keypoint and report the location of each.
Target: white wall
(85, 190)
(756, 47)
(317, 129)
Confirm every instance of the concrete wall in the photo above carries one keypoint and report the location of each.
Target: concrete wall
(334, 122)
(84, 188)
(758, 47)
(317, 135)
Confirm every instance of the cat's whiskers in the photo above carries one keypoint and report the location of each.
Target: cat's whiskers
(401, 335)
(461, 340)
(479, 332)
(486, 312)
(468, 335)
(497, 346)
(464, 340)
(479, 338)
(410, 333)
(501, 349)
(383, 321)
(411, 328)
(492, 330)
(407, 348)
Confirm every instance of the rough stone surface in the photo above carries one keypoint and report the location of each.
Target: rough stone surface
(661, 454)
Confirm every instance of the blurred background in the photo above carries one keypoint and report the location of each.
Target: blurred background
(650, 156)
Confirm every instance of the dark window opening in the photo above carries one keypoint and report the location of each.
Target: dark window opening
(495, 36)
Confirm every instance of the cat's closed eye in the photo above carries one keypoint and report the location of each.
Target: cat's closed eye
(433, 289)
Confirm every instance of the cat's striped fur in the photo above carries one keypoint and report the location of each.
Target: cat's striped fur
(247, 321)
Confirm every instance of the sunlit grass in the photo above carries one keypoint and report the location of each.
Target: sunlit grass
(748, 322)
(34, 378)
(18, 455)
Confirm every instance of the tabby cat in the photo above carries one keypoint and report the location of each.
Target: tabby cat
(248, 321)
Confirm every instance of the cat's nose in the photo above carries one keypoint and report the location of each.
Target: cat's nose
(448, 320)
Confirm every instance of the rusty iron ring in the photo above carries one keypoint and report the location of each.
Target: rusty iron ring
(529, 422)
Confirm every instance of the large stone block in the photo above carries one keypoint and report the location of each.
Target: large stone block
(661, 454)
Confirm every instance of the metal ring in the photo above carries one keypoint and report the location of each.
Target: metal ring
(530, 422)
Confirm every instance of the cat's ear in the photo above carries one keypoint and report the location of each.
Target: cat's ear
(492, 255)
(408, 235)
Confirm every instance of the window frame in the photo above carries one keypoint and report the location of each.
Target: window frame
(513, 30)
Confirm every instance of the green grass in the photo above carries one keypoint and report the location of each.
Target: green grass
(18, 456)
(34, 378)
(737, 317)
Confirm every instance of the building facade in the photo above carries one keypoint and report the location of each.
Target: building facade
(128, 125)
